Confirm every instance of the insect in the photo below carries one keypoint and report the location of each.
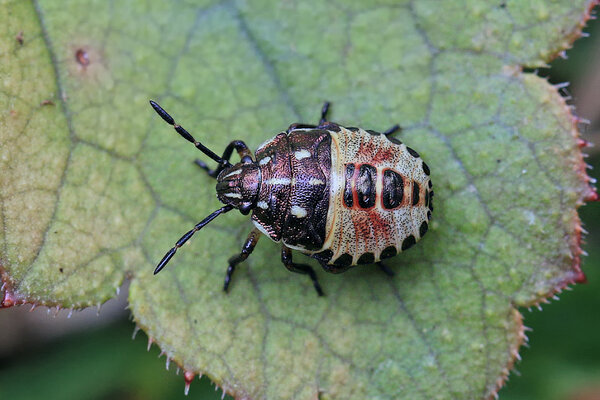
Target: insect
(342, 195)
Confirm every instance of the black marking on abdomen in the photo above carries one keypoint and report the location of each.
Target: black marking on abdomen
(408, 242)
(366, 258)
(365, 186)
(345, 260)
(423, 229)
(412, 152)
(393, 189)
(394, 140)
(388, 252)
(415, 193)
(374, 133)
(323, 257)
(431, 200)
(426, 169)
(348, 196)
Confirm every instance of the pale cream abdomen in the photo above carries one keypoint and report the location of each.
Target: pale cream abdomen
(368, 218)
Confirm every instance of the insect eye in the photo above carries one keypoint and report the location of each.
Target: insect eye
(245, 208)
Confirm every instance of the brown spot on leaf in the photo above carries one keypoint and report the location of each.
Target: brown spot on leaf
(20, 38)
(82, 57)
(47, 102)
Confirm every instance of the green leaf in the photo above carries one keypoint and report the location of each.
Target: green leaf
(95, 187)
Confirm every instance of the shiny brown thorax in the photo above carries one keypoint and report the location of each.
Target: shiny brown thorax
(294, 195)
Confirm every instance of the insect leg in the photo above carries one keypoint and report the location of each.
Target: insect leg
(286, 258)
(246, 250)
(322, 121)
(385, 269)
(324, 111)
(393, 129)
(242, 150)
(299, 126)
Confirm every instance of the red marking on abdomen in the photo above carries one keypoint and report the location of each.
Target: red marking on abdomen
(373, 151)
(370, 228)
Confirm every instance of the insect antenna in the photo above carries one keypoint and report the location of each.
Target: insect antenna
(188, 235)
(186, 135)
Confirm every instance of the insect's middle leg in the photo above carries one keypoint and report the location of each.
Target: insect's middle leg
(286, 258)
(248, 247)
(324, 111)
(322, 120)
(242, 150)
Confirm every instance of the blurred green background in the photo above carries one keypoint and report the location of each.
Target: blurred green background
(91, 356)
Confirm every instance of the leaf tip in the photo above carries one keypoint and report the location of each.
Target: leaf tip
(135, 332)
(189, 377)
(9, 299)
(150, 341)
(592, 195)
(581, 143)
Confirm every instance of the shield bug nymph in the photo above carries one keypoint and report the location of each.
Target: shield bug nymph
(342, 195)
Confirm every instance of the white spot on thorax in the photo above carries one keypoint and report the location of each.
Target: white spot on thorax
(300, 154)
(234, 195)
(236, 172)
(298, 212)
(315, 181)
(278, 181)
(264, 160)
(263, 205)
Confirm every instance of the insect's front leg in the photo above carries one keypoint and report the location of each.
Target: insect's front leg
(248, 247)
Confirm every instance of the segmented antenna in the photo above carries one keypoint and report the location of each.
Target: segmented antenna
(188, 235)
(186, 135)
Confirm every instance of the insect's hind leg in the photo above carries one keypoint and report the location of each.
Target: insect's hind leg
(393, 129)
(286, 258)
(242, 150)
(385, 269)
(247, 249)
